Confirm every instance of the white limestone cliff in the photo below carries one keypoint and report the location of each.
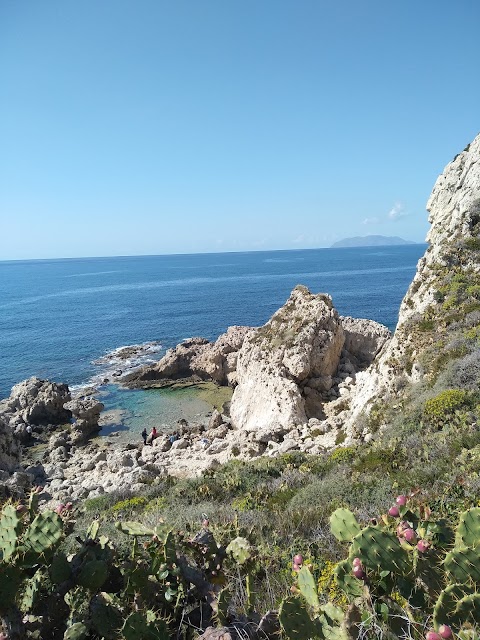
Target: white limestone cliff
(454, 215)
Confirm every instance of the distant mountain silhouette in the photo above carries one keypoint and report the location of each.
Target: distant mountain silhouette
(370, 241)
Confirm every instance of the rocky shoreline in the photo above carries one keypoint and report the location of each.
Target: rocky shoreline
(317, 365)
(304, 381)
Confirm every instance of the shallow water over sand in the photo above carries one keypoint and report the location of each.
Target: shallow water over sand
(133, 409)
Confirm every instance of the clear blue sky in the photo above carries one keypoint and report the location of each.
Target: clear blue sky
(180, 126)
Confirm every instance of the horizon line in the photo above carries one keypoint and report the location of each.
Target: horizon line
(200, 253)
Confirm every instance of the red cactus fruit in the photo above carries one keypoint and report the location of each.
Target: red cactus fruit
(401, 500)
(59, 508)
(431, 635)
(356, 562)
(394, 512)
(445, 631)
(358, 572)
(409, 535)
(423, 545)
(298, 559)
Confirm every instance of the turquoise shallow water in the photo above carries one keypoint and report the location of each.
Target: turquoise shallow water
(160, 408)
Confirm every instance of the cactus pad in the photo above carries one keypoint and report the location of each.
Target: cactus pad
(308, 588)
(240, 549)
(10, 526)
(296, 622)
(44, 532)
(60, 569)
(468, 608)
(93, 574)
(463, 564)
(136, 626)
(134, 529)
(344, 525)
(444, 609)
(468, 530)
(380, 550)
(77, 631)
(346, 581)
(106, 616)
(169, 548)
(32, 587)
(223, 602)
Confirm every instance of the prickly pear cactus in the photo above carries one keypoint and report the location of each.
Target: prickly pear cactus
(296, 622)
(10, 527)
(134, 529)
(380, 550)
(32, 589)
(93, 574)
(147, 627)
(308, 588)
(44, 533)
(223, 602)
(468, 608)
(240, 549)
(468, 530)
(77, 631)
(170, 549)
(106, 615)
(444, 610)
(463, 563)
(346, 581)
(344, 525)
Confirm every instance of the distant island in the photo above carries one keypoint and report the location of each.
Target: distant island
(370, 241)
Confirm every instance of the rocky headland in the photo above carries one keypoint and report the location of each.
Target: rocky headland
(307, 380)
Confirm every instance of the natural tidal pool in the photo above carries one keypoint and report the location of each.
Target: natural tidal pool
(128, 411)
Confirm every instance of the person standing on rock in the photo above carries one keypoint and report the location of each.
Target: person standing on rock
(152, 436)
(144, 435)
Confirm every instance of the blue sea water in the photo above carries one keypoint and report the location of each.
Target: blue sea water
(58, 316)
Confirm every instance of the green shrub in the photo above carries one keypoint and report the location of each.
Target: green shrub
(129, 505)
(440, 410)
(343, 454)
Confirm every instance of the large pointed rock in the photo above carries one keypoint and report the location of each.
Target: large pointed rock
(301, 342)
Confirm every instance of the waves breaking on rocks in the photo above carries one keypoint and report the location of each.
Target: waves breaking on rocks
(120, 362)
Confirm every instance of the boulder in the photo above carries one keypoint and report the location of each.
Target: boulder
(302, 340)
(37, 402)
(86, 413)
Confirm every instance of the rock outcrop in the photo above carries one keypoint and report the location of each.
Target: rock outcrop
(9, 447)
(284, 367)
(86, 414)
(292, 367)
(195, 359)
(443, 294)
(35, 402)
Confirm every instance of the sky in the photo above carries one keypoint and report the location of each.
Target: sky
(185, 126)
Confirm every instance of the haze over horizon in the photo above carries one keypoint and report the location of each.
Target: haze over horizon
(153, 128)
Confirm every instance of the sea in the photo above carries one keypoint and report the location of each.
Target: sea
(66, 319)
